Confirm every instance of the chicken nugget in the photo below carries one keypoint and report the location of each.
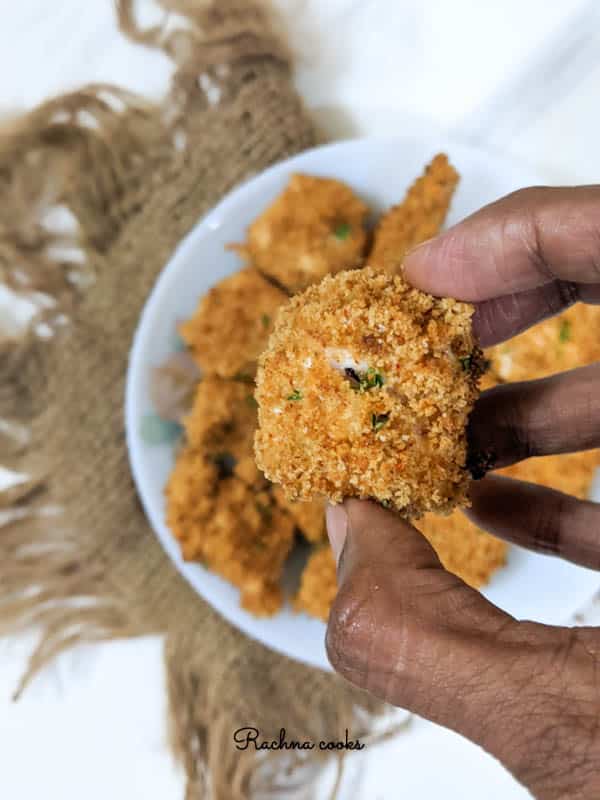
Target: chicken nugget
(222, 421)
(561, 343)
(365, 390)
(232, 323)
(571, 473)
(190, 495)
(316, 226)
(419, 217)
(318, 584)
(463, 548)
(308, 516)
(237, 533)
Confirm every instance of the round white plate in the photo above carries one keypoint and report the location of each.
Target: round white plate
(531, 586)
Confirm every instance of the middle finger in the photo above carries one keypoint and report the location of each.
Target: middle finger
(515, 421)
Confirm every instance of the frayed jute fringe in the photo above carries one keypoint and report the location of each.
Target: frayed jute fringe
(96, 189)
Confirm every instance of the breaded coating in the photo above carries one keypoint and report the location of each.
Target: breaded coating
(247, 471)
(419, 217)
(365, 391)
(232, 323)
(308, 516)
(564, 342)
(571, 473)
(463, 548)
(318, 584)
(315, 227)
(223, 419)
(237, 533)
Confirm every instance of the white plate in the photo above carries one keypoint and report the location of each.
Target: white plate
(532, 586)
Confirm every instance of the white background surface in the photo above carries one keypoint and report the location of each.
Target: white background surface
(518, 76)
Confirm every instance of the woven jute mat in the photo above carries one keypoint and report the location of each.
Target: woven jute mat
(96, 189)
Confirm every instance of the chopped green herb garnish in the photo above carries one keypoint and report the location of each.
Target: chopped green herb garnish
(342, 231)
(565, 331)
(386, 503)
(244, 377)
(378, 421)
(266, 320)
(466, 363)
(362, 383)
(251, 401)
(295, 395)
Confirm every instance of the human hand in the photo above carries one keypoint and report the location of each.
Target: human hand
(408, 631)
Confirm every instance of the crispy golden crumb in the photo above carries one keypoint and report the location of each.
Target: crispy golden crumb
(223, 419)
(318, 584)
(232, 324)
(562, 343)
(316, 226)
(463, 548)
(239, 534)
(419, 217)
(247, 471)
(555, 345)
(308, 516)
(365, 390)
(571, 473)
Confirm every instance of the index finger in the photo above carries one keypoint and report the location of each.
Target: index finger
(524, 241)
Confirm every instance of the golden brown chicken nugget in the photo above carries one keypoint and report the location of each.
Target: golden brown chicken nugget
(308, 516)
(463, 548)
(419, 217)
(316, 226)
(318, 584)
(190, 493)
(571, 473)
(232, 323)
(223, 420)
(561, 343)
(239, 534)
(365, 390)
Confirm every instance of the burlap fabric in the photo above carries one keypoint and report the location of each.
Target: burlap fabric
(78, 562)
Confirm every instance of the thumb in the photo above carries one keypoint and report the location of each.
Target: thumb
(411, 633)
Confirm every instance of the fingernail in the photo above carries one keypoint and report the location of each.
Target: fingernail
(337, 526)
(419, 246)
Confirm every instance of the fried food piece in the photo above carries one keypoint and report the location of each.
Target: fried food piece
(316, 226)
(571, 473)
(555, 345)
(318, 584)
(365, 390)
(247, 471)
(419, 217)
(232, 323)
(565, 342)
(190, 495)
(222, 420)
(235, 532)
(309, 516)
(463, 548)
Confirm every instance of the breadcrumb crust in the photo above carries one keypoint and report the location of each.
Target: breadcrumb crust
(315, 227)
(418, 217)
(232, 323)
(402, 442)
